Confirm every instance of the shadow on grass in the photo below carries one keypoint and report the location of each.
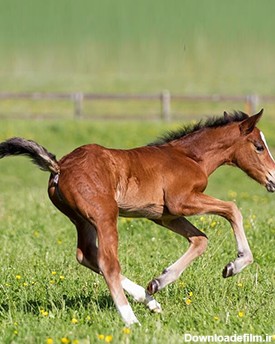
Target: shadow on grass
(74, 302)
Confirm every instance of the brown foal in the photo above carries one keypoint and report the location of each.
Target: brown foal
(163, 182)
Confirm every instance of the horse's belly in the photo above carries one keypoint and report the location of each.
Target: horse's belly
(150, 211)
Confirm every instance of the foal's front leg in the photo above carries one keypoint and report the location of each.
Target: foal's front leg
(198, 244)
(204, 204)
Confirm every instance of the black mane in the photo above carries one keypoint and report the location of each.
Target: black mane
(211, 122)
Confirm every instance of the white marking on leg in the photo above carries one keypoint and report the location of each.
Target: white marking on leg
(135, 290)
(152, 304)
(245, 256)
(264, 140)
(140, 295)
(127, 315)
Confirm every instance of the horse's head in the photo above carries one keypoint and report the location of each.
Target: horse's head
(252, 154)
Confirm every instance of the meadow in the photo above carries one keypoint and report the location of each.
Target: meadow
(124, 46)
(186, 46)
(46, 297)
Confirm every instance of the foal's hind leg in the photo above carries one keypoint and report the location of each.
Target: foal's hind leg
(91, 222)
(105, 257)
(198, 244)
(140, 294)
(110, 267)
(86, 252)
(86, 255)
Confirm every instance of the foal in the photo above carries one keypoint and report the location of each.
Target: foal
(163, 182)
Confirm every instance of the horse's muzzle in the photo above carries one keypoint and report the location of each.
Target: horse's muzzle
(270, 185)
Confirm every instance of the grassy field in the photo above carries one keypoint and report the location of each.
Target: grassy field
(186, 46)
(46, 297)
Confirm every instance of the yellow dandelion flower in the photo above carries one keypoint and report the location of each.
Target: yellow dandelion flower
(126, 330)
(232, 194)
(75, 341)
(216, 318)
(53, 273)
(188, 302)
(52, 282)
(18, 277)
(59, 242)
(190, 293)
(65, 340)
(108, 339)
(240, 285)
(45, 313)
(25, 284)
(101, 336)
(74, 321)
(273, 337)
(241, 314)
(61, 278)
(15, 332)
(213, 224)
(36, 234)
(49, 341)
(247, 225)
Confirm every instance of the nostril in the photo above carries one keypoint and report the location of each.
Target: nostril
(271, 174)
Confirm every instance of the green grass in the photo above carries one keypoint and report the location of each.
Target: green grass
(38, 246)
(185, 46)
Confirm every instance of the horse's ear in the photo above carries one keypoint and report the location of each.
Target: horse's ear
(247, 126)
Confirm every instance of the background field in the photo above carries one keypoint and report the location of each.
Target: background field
(122, 46)
(186, 46)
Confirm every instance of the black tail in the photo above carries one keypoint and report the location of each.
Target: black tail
(39, 155)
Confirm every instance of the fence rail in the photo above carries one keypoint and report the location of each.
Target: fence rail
(165, 98)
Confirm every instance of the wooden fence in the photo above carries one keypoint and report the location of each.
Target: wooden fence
(165, 98)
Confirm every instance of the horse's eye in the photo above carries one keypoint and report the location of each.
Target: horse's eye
(259, 147)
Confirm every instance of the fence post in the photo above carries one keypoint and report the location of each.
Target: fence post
(78, 105)
(251, 104)
(166, 105)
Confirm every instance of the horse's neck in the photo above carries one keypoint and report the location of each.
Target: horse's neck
(210, 147)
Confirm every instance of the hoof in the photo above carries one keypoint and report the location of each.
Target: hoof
(154, 306)
(157, 309)
(228, 271)
(153, 287)
(132, 323)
